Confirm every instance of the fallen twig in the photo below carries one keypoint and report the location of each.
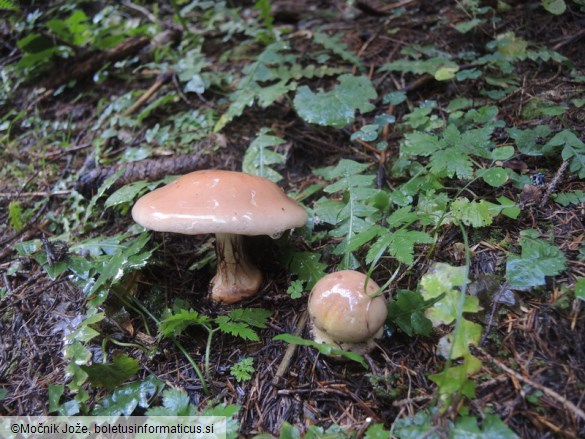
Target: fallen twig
(149, 169)
(549, 392)
(552, 187)
(290, 351)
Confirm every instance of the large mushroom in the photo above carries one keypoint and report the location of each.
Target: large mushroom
(229, 204)
(345, 314)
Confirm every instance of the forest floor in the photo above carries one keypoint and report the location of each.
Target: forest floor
(66, 124)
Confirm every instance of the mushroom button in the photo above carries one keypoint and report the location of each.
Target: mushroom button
(229, 204)
(346, 315)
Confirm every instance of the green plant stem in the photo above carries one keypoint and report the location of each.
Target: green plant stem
(210, 333)
(177, 12)
(193, 365)
(182, 349)
(462, 296)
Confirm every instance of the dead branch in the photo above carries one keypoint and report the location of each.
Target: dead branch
(148, 169)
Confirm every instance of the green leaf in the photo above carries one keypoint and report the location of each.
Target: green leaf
(399, 244)
(537, 260)
(407, 311)
(556, 7)
(4, 394)
(175, 403)
(336, 107)
(334, 44)
(466, 427)
(129, 257)
(237, 329)
(495, 176)
(573, 150)
(415, 427)
(567, 198)
(472, 213)
(175, 324)
(125, 399)
(440, 279)
(530, 141)
(455, 379)
(8, 5)
(445, 68)
(457, 343)
(306, 266)
(580, 288)
(502, 153)
(466, 26)
(15, 216)
(259, 158)
(256, 317)
(324, 348)
(243, 369)
(112, 375)
(295, 289)
(377, 431)
(126, 194)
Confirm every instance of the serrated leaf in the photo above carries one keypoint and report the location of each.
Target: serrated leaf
(530, 141)
(129, 257)
(125, 399)
(338, 47)
(295, 289)
(377, 431)
(440, 279)
(175, 403)
(429, 66)
(573, 150)
(307, 267)
(399, 244)
(407, 311)
(455, 378)
(458, 341)
(336, 107)
(415, 427)
(237, 329)
(243, 369)
(126, 194)
(112, 375)
(567, 198)
(256, 317)
(178, 322)
(324, 348)
(537, 260)
(446, 310)
(472, 213)
(259, 158)
(421, 143)
(492, 427)
(451, 161)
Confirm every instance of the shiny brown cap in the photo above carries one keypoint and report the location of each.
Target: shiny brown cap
(341, 308)
(219, 202)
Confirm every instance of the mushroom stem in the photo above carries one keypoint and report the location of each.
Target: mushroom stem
(236, 278)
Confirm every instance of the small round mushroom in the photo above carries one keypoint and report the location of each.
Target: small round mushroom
(229, 204)
(346, 315)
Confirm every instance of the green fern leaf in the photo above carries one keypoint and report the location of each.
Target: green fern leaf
(338, 47)
(259, 158)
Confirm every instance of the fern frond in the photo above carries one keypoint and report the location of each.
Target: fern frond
(338, 47)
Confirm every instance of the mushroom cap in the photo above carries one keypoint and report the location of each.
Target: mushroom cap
(219, 202)
(340, 307)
